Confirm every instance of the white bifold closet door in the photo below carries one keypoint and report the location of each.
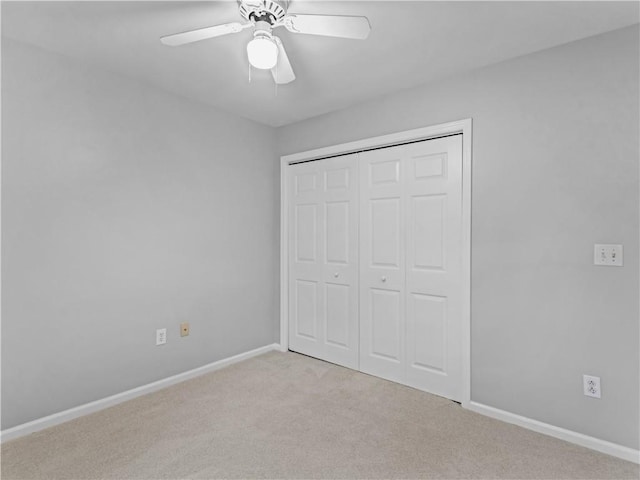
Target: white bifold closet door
(375, 262)
(323, 259)
(411, 264)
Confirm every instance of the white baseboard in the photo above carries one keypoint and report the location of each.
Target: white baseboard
(593, 443)
(87, 408)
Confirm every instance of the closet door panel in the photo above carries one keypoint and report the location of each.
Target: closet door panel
(340, 269)
(338, 218)
(323, 260)
(428, 326)
(386, 332)
(433, 266)
(382, 308)
(305, 225)
(306, 291)
(306, 309)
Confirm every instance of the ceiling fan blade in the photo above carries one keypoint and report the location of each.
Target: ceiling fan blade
(329, 25)
(282, 72)
(191, 36)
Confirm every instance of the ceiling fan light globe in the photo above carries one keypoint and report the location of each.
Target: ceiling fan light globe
(262, 53)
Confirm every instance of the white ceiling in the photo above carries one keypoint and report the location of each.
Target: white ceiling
(411, 43)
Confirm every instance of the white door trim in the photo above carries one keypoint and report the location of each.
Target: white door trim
(461, 126)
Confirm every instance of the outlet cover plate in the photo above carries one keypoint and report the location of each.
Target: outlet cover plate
(184, 329)
(591, 386)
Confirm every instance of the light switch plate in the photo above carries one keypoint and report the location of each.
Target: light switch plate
(608, 255)
(161, 336)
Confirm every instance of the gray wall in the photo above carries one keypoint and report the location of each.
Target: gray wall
(125, 209)
(555, 170)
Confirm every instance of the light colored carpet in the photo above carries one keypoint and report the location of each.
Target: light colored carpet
(283, 415)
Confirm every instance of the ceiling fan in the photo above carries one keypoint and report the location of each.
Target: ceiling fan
(265, 50)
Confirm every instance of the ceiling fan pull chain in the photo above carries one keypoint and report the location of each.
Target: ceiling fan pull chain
(249, 73)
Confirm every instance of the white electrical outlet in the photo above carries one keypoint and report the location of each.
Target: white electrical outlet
(161, 336)
(591, 386)
(609, 255)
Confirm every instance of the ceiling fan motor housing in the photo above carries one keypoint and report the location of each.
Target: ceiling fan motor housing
(270, 11)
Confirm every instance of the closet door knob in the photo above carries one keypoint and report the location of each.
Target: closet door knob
(384, 279)
(335, 275)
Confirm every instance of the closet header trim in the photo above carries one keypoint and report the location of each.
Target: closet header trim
(373, 148)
